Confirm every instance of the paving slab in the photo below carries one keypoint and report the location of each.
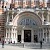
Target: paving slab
(8, 47)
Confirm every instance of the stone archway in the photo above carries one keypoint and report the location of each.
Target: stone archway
(26, 14)
(27, 19)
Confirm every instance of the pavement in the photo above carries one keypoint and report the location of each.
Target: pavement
(32, 45)
(9, 47)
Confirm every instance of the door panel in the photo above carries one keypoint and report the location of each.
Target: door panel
(35, 38)
(19, 38)
(27, 35)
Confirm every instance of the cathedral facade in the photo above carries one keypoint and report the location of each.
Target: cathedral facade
(25, 21)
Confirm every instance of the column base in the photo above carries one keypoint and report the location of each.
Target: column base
(22, 41)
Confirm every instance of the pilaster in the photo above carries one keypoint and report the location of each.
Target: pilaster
(32, 36)
(22, 37)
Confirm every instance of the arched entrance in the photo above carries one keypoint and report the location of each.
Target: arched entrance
(27, 22)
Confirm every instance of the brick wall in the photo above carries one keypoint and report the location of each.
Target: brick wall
(2, 24)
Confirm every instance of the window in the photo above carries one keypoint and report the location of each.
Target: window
(13, 35)
(7, 35)
(27, 21)
(2, 6)
(11, 6)
(10, 35)
(44, 34)
(11, 20)
(44, 21)
(13, 29)
(5, 6)
(10, 17)
(10, 29)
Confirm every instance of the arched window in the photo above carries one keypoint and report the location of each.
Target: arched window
(27, 21)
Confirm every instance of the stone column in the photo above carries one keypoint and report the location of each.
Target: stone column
(42, 19)
(12, 15)
(43, 36)
(6, 39)
(48, 17)
(12, 35)
(49, 35)
(16, 37)
(8, 17)
(6, 33)
(43, 32)
(46, 34)
(40, 35)
(9, 35)
(32, 35)
(22, 37)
